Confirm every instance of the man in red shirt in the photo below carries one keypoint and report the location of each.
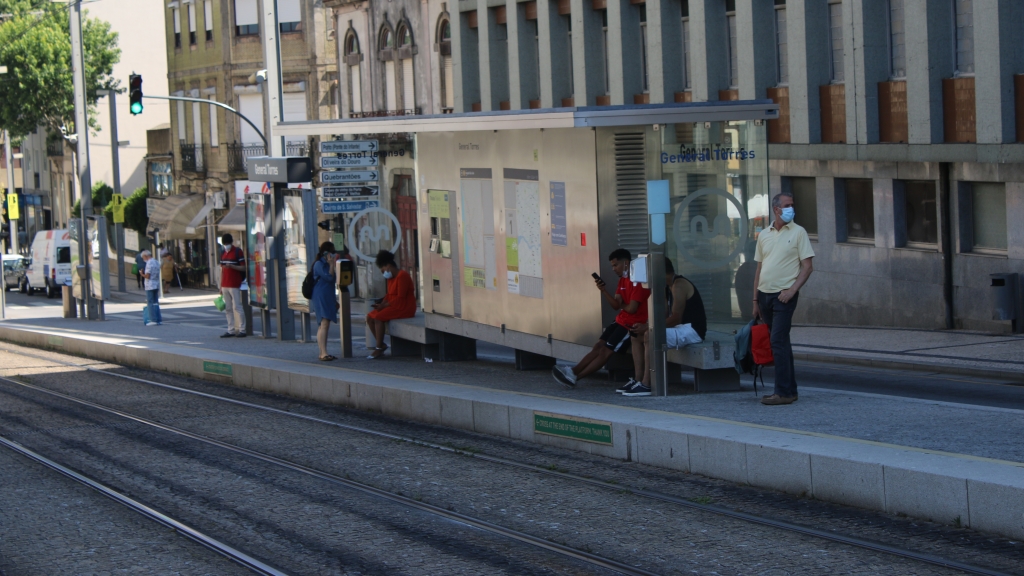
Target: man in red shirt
(630, 299)
(232, 274)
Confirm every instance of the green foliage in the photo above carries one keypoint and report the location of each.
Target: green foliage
(135, 210)
(101, 194)
(35, 46)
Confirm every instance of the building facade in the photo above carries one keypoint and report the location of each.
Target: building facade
(214, 50)
(901, 129)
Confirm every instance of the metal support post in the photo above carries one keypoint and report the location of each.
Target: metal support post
(82, 132)
(8, 157)
(104, 265)
(345, 322)
(274, 86)
(657, 313)
(285, 316)
(116, 158)
(3, 289)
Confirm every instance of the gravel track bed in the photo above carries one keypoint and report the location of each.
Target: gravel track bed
(662, 537)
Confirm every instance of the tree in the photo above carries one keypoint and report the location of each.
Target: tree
(101, 195)
(135, 216)
(38, 88)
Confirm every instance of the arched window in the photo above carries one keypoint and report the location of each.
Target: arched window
(446, 73)
(387, 54)
(353, 61)
(405, 54)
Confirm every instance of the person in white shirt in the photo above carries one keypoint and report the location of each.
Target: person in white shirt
(151, 273)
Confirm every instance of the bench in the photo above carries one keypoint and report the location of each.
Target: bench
(711, 361)
(410, 337)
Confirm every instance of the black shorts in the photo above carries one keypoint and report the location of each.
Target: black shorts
(615, 336)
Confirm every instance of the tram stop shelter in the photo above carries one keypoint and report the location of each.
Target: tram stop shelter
(516, 210)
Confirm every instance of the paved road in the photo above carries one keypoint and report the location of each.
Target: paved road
(885, 382)
(307, 526)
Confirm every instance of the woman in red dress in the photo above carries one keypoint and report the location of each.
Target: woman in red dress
(400, 301)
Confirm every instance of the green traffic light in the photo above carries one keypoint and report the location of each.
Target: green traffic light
(137, 108)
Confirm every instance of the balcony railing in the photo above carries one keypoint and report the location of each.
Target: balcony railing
(385, 113)
(238, 153)
(55, 148)
(192, 158)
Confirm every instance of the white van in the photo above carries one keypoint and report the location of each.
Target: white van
(51, 263)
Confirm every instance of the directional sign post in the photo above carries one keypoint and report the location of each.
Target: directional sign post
(350, 176)
(355, 160)
(329, 207)
(346, 146)
(348, 191)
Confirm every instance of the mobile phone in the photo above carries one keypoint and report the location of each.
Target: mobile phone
(596, 276)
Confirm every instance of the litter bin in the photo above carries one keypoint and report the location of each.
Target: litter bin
(70, 309)
(1007, 299)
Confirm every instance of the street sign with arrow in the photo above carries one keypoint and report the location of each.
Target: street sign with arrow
(348, 191)
(344, 146)
(348, 161)
(350, 176)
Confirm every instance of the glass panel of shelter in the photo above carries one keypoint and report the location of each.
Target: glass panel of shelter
(718, 180)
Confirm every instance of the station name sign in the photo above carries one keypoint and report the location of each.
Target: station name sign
(280, 170)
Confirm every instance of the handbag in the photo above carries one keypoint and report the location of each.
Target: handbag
(761, 351)
(219, 303)
(135, 269)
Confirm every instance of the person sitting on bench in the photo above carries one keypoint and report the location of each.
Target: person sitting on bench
(630, 299)
(686, 324)
(400, 301)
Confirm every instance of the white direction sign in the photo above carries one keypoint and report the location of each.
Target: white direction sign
(350, 176)
(343, 146)
(350, 206)
(348, 160)
(348, 191)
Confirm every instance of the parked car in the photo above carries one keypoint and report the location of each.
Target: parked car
(14, 270)
(50, 267)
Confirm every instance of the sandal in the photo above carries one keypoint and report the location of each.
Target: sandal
(377, 352)
(328, 358)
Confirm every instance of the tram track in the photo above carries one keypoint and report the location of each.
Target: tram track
(879, 547)
(490, 527)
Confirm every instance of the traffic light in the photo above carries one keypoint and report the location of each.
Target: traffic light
(325, 224)
(135, 94)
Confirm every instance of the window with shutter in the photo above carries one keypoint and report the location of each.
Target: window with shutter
(192, 24)
(251, 106)
(356, 88)
(408, 89)
(449, 83)
(289, 14)
(390, 95)
(294, 111)
(214, 128)
(246, 18)
(176, 19)
(181, 117)
(208, 19)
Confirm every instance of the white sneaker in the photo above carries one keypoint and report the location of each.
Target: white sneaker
(152, 324)
(564, 375)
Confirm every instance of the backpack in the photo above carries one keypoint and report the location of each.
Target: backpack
(760, 351)
(307, 285)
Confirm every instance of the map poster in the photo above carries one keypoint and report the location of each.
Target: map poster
(523, 233)
(559, 232)
(477, 203)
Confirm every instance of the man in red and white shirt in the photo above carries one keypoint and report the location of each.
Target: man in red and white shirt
(232, 274)
(630, 299)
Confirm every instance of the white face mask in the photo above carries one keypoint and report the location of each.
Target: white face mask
(388, 274)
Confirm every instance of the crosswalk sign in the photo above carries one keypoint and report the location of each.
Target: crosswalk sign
(13, 211)
(117, 208)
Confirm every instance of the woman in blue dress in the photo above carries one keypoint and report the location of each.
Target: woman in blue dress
(324, 302)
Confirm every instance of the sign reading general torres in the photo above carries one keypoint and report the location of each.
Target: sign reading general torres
(328, 207)
(342, 146)
(350, 176)
(349, 160)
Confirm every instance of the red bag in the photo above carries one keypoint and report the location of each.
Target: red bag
(761, 345)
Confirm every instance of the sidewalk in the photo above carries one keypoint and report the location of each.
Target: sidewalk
(929, 459)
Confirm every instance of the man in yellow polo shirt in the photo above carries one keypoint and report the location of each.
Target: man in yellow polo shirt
(783, 258)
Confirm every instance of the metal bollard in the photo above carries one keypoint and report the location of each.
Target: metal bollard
(70, 306)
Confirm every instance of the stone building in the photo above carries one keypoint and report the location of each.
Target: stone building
(900, 132)
(214, 49)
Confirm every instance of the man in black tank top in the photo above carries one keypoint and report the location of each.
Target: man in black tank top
(686, 323)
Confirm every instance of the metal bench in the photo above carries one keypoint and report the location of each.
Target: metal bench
(711, 361)
(410, 337)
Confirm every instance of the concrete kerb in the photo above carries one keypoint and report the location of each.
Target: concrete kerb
(982, 493)
(933, 366)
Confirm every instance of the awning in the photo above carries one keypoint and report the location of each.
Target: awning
(199, 220)
(172, 215)
(234, 220)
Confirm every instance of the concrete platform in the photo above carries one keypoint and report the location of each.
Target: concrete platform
(938, 461)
